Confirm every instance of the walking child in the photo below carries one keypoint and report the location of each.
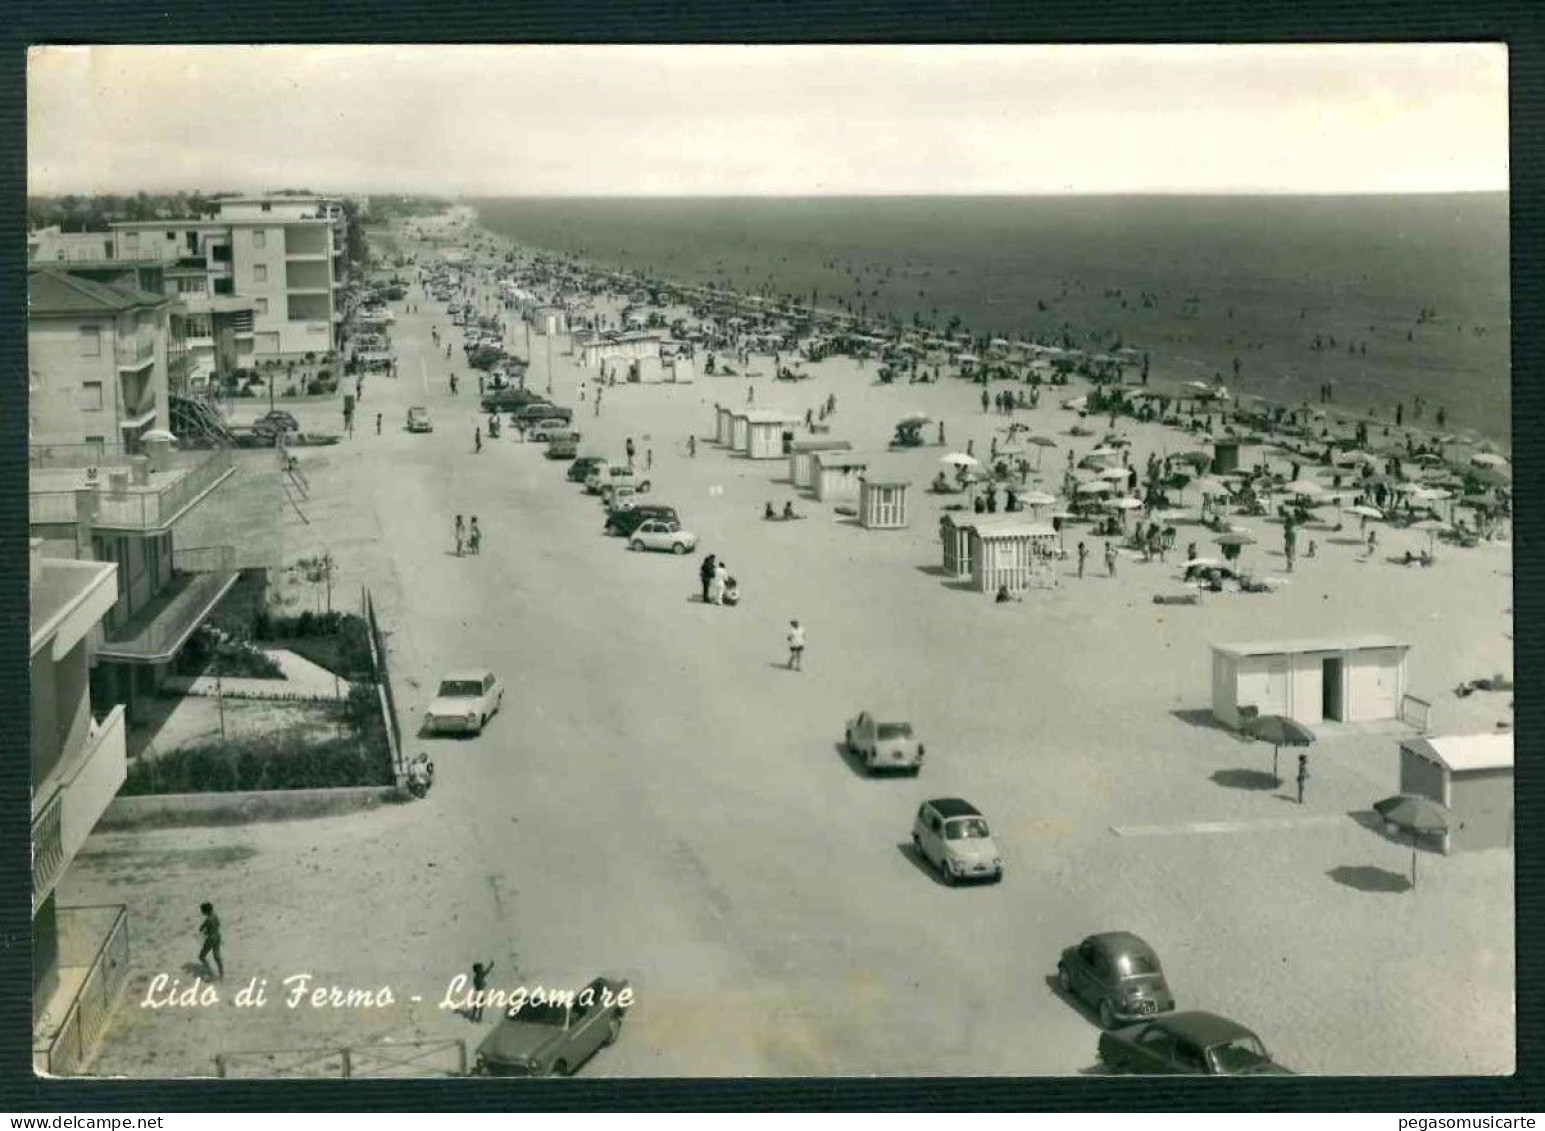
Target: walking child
(209, 928)
(796, 639)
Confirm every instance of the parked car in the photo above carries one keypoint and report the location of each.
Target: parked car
(1119, 975)
(553, 1038)
(1188, 1044)
(624, 522)
(533, 411)
(611, 475)
(546, 429)
(661, 534)
(511, 398)
(563, 447)
(579, 471)
(464, 702)
(418, 419)
(278, 419)
(884, 746)
(953, 836)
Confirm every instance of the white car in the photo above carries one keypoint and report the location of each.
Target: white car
(464, 703)
(661, 534)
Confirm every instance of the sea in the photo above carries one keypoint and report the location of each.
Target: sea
(1385, 299)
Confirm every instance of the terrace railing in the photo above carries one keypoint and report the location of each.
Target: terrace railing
(48, 844)
(136, 507)
(96, 938)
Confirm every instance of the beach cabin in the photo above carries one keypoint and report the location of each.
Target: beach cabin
(1013, 553)
(649, 370)
(1337, 679)
(837, 476)
(618, 348)
(1225, 456)
(740, 431)
(549, 320)
(1470, 774)
(679, 372)
(802, 458)
(882, 503)
(767, 431)
(724, 427)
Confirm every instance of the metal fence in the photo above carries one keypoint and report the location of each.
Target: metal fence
(91, 1010)
(406, 1059)
(48, 844)
(383, 678)
(1415, 712)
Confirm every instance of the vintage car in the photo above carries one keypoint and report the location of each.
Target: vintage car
(418, 419)
(1118, 975)
(614, 475)
(1187, 1044)
(563, 447)
(554, 1037)
(464, 703)
(579, 471)
(624, 522)
(545, 429)
(953, 836)
(883, 746)
(510, 398)
(533, 412)
(277, 420)
(661, 534)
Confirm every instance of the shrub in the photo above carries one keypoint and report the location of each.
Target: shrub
(263, 761)
(315, 388)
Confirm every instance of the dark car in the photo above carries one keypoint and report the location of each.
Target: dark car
(563, 447)
(1188, 1044)
(625, 522)
(509, 399)
(277, 420)
(554, 1037)
(581, 468)
(533, 412)
(1118, 974)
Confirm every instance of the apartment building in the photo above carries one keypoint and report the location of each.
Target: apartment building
(79, 954)
(283, 254)
(97, 361)
(124, 507)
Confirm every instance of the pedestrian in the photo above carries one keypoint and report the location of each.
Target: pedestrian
(461, 533)
(1303, 775)
(986, 400)
(630, 450)
(692, 447)
(1110, 560)
(750, 394)
(480, 972)
(1083, 556)
(474, 536)
(378, 424)
(648, 459)
(598, 400)
(705, 574)
(480, 385)
(581, 392)
(477, 439)
(941, 433)
(209, 928)
(796, 639)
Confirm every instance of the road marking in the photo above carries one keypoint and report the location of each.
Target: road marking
(1229, 826)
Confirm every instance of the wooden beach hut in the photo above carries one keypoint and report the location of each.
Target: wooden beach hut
(802, 458)
(1015, 553)
(723, 429)
(1334, 679)
(624, 348)
(882, 503)
(1472, 776)
(650, 370)
(766, 432)
(680, 371)
(837, 476)
(740, 430)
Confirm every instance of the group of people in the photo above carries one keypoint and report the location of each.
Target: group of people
(719, 587)
(469, 538)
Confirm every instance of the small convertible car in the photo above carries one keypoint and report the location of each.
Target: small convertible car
(554, 1036)
(953, 836)
(1119, 975)
(1188, 1044)
(884, 746)
(464, 703)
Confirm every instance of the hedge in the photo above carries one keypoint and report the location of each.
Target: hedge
(264, 761)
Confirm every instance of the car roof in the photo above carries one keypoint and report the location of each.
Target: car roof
(1202, 1028)
(1122, 942)
(948, 807)
(467, 673)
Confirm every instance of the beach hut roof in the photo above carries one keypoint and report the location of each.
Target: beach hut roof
(1318, 644)
(770, 416)
(1462, 752)
(886, 481)
(840, 459)
(1015, 528)
(821, 446)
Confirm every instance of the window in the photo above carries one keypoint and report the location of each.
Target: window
(220, 252)
(171, 235)
(91, 341)
(96, 445)
(259, 238)
(91, 396)
(266, 207)
(259, 273)
(260, 306)
(225, 286)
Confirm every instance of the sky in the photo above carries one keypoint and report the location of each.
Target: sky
(769, 120)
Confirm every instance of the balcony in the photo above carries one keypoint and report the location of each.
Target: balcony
(75, 795)
(136, 353)
(121, 504)
(93, 970)
(155, 634)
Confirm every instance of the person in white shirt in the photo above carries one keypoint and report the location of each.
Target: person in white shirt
(796, 639)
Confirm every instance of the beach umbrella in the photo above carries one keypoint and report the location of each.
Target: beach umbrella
(1418, 816)
(1037, 499)
(1094, 487)
(1280, 731)
(960, 459)
(1363, 510)
(1488, 459)
(916, 418)
(1432, 527)
(1352, 456)
(1211, 485)
(1116, 474)
(1303, 487)
(1125, 503)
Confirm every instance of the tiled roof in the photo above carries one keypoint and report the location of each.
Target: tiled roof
(53, 291)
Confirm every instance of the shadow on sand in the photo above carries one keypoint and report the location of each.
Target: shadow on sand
(1077, 1004)
(907, 850)
(1245, 779)
(1366, 877)
(1203, 718)
(933, 571)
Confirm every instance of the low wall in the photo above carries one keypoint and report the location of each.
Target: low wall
(171, 810)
